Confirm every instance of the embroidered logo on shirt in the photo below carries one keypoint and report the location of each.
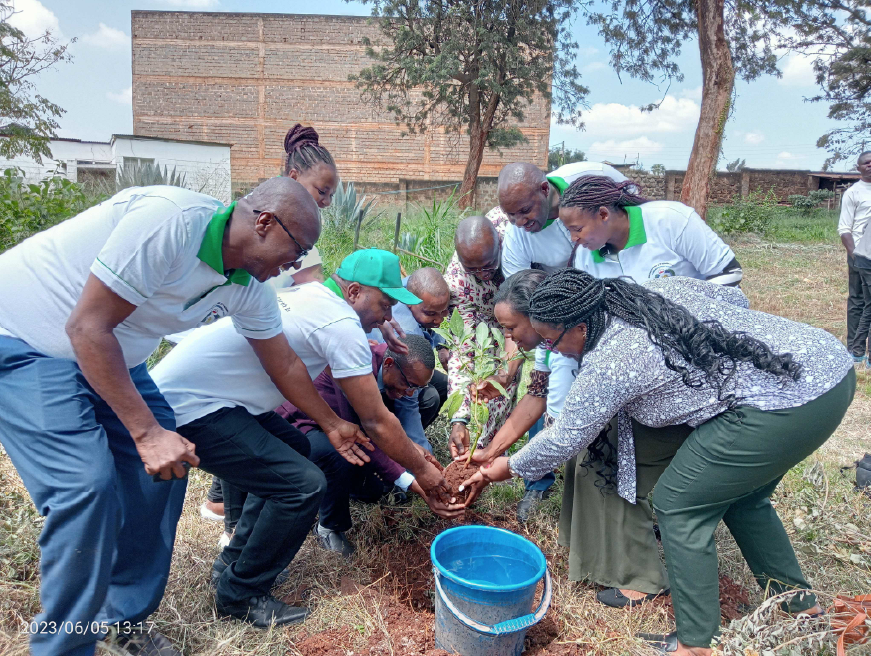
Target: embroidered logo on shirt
(662, 270)
(218, 310)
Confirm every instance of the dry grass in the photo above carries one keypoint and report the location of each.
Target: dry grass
(829, 522)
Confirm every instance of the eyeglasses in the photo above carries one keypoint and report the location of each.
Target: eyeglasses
(302, 251)
(493, 268)
(557, 340)
(408, 385)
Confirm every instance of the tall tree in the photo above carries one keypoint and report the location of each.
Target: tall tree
(559, 155)
(736, 37)
(474, 67)
(29, 120)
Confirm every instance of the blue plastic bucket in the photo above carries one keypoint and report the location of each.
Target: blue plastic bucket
(485, 582)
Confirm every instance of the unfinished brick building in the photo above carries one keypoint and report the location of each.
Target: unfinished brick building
(244, 79)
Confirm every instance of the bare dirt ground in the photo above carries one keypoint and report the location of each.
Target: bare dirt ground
(380, 603)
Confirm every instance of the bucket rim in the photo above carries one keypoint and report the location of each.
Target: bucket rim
(533, 580)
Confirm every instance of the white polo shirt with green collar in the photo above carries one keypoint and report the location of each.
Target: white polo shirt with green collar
(666, 238)
(158, 248)
(549, 248)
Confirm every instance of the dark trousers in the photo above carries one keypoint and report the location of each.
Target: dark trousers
(433, 397)
(858, 309)
(344, 482)
(216, 492)
(262, 460)
(542, 484)
(106, 543)
(727, 469)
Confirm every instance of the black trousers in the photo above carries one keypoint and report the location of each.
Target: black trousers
(263, 463)
(858, 309)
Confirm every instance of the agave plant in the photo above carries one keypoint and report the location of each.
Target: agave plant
(346, 212)
(145, 174)
(487, 346)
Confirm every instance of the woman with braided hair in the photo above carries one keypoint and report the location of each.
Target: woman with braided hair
(624, 234)
(310, 164)
(760, 393)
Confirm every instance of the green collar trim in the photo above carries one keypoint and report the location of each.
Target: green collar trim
(211, 247)
(558, 182)
(637, 233)
(548, 223)
(334, 286)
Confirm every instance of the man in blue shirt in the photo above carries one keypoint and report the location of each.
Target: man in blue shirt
(418, 411)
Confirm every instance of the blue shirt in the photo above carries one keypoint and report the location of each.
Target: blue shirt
(407, 411)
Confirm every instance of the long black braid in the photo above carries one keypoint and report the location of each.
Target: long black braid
(303, 150)
(702, 352)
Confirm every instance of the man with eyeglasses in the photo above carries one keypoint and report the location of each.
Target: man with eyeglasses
(84, 305)
(473, 276)
(399, 376)
(230, 415)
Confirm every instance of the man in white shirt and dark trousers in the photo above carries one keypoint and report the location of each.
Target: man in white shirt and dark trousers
(82, 307)
(853, 228)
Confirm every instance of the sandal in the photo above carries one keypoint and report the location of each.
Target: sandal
(615, 599)
(664, 642)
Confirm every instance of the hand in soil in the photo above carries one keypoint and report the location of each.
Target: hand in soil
(433, 484)
(453, 511)
(456, 474)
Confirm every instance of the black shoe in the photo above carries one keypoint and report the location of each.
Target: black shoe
(863, 472)
(664, 642)
(146, 643)
(395, 496)
(615, 599)
(334, 541)
(219, 566)
(263, 611)
(530, 502)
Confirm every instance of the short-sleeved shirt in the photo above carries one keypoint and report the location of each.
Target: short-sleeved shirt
(548, 249)
(666, 238)
(214, 367)
(562, 372)
(855, 215)
(158, 248)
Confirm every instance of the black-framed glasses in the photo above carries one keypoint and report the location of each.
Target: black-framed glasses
(557, 340)
(302, 251)
(408, 385)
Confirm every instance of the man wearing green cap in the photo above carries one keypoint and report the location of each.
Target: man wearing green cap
(224, 402)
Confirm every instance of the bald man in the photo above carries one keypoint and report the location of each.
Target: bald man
(529, 200)
(473, 276)
(82, 307)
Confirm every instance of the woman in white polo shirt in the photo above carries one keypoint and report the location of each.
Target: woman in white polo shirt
(616, 233)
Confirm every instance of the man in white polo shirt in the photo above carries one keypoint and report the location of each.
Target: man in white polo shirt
(853, 228)
(82, 306)
(224, 403)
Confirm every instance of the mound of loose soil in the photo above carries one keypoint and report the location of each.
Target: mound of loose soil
(734, 600)
(456, 473)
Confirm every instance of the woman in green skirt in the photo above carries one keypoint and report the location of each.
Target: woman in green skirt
(760, 392)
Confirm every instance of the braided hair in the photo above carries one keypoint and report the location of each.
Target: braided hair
(303, 150)
(590, 192)
(702, 352)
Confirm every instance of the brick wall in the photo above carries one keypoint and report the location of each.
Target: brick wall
(727, 186)
(245, 79)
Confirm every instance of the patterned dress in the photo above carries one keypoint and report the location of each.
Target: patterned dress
(473, 299)
(626, 375)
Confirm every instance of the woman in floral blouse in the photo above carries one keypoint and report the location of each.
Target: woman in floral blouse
(761, 392)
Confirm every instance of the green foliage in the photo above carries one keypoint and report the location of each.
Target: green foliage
(750, 214)
(807, 204)
(487, 348)
(738, 165)
(557, 156)
(346, 210)
(473, 67)
(29, 119)
(28, 208)
(658, 170)
(146, 174)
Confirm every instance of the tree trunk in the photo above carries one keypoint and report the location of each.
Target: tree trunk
(718, 78)
(477, 141)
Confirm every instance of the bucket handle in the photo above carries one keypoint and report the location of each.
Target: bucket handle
(508, 626)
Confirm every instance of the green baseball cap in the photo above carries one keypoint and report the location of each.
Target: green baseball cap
(374, 267)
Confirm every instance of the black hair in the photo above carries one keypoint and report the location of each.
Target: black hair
(590, 192)
(419, 350)
(702, 352)
(861, 155)
(517, 290)
(303, 150)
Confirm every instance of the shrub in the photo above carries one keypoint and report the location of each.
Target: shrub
(28, 208)
(346, 211)
(807, 204)
(751, 214)
(146, 174)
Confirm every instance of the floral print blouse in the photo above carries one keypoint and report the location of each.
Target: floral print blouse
(625, 375)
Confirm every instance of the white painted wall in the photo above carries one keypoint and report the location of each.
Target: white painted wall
(206, 166)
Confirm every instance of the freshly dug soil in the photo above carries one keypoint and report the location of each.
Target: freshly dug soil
(457, 472)
(733, 600)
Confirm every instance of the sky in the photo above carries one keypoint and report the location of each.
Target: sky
(771, 127)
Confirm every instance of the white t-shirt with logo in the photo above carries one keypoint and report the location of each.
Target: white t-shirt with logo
(550, 247)
(214, 367)
(855, 214)
(142, 243)
(563, 372)
(672, 241)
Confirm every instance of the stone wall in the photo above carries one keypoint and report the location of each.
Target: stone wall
(245, 79)
(727, 186)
